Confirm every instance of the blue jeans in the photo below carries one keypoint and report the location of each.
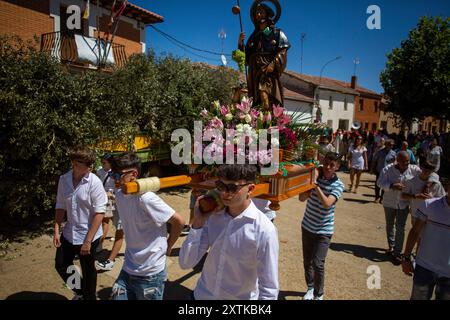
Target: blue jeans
(425, 282)
(395, 228)
(129, 287)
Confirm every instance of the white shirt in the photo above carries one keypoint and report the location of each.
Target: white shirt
(434, 253)
(242, 263)
(264, 206)
(358, 161)
(417, 185)
(144, 219)
(81, 204)
(391, 175)
(109, 184)
(434, 157)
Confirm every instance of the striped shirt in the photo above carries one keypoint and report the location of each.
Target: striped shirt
(318, 219)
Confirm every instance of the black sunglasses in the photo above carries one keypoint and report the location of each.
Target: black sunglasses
(229, 188)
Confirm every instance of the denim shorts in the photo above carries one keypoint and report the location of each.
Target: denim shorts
(426, 281)
(129, 287)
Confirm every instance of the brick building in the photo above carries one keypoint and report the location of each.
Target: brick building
(47, 19)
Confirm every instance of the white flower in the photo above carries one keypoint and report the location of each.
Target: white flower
(248, 118)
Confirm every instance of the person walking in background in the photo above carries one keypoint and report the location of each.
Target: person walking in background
(392, 180)
(104, 173)
(434, 155)
(381, 159)
(357, 162)
(405, 147)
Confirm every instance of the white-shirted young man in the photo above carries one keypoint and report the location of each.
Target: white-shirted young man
(144, 221)
(81, 200)
(242, 263)
(432, 270)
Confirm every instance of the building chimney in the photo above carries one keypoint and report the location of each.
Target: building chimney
(354, 81)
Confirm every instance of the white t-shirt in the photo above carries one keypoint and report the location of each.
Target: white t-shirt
(417, 185)
(434, 253)
(434, 157)
(144, 219)
(358, 161)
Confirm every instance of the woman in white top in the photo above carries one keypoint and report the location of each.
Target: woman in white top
(357, 162)
(434, 155)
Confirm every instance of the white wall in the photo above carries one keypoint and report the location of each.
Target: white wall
(300, 107)
(337, 112)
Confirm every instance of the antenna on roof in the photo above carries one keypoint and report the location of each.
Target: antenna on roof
(355, 62)
(301, 58)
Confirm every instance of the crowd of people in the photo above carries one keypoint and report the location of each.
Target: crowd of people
(241, 241)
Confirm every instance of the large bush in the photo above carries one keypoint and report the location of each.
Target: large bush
(45, 110)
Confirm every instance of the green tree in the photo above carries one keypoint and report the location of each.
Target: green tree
(45, 110)
(416, 79)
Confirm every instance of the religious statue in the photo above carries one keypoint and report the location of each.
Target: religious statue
(266, 55)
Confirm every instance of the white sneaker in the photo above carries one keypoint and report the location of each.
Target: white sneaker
(77, 297)
(318, 298)
(106, 265)
(309, 295)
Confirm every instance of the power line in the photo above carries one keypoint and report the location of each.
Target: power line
(181, 43)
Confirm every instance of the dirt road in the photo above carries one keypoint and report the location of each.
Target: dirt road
(27, 272)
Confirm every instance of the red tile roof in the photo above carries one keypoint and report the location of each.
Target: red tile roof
(135, 12)
(326, 83)
(361, 90)
(291, 95)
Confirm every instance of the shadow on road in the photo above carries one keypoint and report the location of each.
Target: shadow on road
(372, 254)
(358, 200)
(29, 295)
(283, 294)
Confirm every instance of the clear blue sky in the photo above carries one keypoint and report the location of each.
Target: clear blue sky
(333, 28)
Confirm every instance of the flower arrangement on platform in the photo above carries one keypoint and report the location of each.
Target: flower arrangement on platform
(243, 122)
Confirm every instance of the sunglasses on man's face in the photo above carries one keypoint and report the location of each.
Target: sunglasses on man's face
(229, 188)
(118, 175)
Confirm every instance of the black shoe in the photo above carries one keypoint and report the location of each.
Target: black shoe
(396, 259)
(186, 230)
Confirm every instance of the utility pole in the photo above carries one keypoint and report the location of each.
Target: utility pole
(301, 59)
(355, 62)
(222, 36)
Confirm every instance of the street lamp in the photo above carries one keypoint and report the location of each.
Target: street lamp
(319, 111)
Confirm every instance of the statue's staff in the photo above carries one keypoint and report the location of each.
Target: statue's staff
(237, 11)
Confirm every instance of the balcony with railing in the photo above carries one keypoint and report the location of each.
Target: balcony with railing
(81, 51)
